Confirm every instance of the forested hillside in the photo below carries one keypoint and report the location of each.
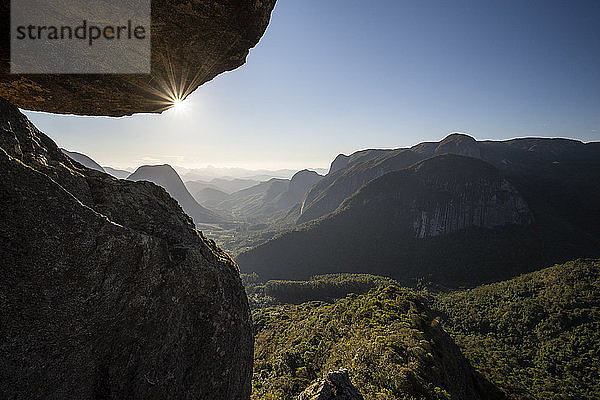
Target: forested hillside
(536, 336)
(384, 338)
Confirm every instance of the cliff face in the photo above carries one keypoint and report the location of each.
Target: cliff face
(106, 288)
(446, 194)
(492, 204)
(301, 182)
(543, 164)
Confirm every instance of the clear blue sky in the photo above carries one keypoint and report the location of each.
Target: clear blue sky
(336, 76)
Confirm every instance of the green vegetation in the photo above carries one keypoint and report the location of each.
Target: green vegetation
(320, 287)
(384, 338)
(536, 336)
(237, 237)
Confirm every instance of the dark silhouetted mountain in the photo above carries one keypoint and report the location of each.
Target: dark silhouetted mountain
(166, 177)
(451, 219)
(83, 160)
(327, 195)
(340, 162)
(117, 173)
(106, 288)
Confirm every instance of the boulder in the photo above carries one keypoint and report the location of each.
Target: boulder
(335, 385)
(106, 288)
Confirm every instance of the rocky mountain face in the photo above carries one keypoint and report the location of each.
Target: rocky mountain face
(192, 42)
(447, 194)
(83, 160)
(166, 177)
(301, 182)
(332, 190)
(106, 288)
(522, 159)
(450, 219)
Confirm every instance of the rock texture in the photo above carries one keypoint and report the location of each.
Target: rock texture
(335, 386)
(166, 177)
(106, 288)
(191, 41)
(475, 194)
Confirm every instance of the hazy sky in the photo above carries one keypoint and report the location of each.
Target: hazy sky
(336, 76)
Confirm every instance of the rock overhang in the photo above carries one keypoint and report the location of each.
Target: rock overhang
(192, 42)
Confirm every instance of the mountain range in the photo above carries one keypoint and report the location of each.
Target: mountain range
(453, 212)
(270, 200)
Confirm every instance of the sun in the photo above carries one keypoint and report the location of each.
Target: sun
(178, 105)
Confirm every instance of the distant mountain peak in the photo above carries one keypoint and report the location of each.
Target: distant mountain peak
(302, 181)
(458, 136)
(164, 175)
(340, 162)
(84, 160)
(459, 143)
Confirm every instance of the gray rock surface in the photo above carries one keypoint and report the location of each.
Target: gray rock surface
(335, 386)
(106, 288)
